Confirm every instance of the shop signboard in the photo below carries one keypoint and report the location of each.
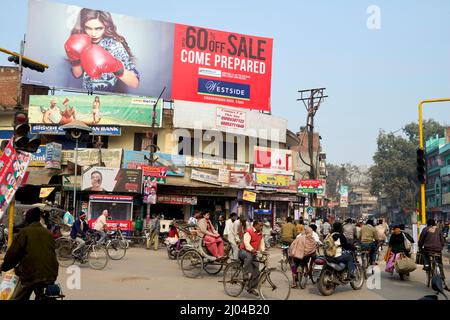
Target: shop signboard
(273, 161)
(311, 186)
(230, 118)
(343, 191)
(54, 129)
(13, 166)
(53, 155)
(217, 164)
(205, 177)
(174, 163)
(150, 189)
(263, 211)
(156, 174)
(175, 199)
(45, 192)
(120, 210)
(112, 180)
(38, 158)
(249, 196)
(242, 180)
(273, 180)
(88, 157)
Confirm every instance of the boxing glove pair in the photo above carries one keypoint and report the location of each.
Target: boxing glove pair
(93, 58)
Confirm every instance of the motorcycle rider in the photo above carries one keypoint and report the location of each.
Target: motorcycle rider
(349, 231)
(344, 249)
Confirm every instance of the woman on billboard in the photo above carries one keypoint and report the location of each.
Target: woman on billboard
(98, 53)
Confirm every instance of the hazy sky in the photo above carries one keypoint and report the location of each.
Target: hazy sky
(374, 78)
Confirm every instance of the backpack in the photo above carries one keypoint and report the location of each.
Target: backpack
(329, 246)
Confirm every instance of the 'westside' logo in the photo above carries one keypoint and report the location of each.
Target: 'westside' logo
(223, 89)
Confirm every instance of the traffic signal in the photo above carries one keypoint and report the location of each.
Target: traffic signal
(21, 129)
(421, 165)
(28, 63)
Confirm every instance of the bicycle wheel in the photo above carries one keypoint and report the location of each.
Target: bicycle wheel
(364, 265)
(430, 273)
(302, 278)
(181, 253)
(116, 250)
(233, 279)
(64, 256)
(172, 252)
(274, 285)
(97, 257)
(192, 264)
(212, 268)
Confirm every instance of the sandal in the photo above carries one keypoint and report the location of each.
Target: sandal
(294, 286)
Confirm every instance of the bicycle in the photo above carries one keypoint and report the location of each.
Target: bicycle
(285, 261)
(92, 253)
(270, 280)
(115, 244)
(365, 260)
(432, 269)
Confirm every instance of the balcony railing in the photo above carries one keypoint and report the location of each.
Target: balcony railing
(445, 171)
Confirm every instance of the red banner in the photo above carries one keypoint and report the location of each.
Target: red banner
(220, 67)
(13, 167)
(154, 172)
(275, 161)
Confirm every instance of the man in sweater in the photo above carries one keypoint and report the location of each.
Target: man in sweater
(369, 240)
(252, 244)
(432, 241)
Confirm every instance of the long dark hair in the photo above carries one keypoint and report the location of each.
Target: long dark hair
(106, 19)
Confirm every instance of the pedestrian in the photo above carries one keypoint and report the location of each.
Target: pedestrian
(32, 255)
(68, 218)
(194, 219)
(231, 236)
(240, 226)
(221, 225)
(266, 231)
(325, 229)
(249, 223)
(155, 226)
(396, 246)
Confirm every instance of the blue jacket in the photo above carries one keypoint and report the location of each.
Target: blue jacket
(76, 229)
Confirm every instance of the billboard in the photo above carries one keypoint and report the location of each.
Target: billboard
(274, 161)
(222, 67)
(242, 180)
(174, 163)
(311, 186)
(38, 158)
(94, 110)
(122, 54)
(272, 180)
(343, 201)
(114, 53)
(112, 180)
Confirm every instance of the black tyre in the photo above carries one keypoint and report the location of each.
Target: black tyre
(172, 252)
(97, 257)
(233, 279)
(302, 279)
(116, 250)
(274, 285)
(64, 256)
(358, 282)
(213, 268)
(325, 284)
(192, 264)
(181, 253)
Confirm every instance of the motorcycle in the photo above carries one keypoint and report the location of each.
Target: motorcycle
(334, 274)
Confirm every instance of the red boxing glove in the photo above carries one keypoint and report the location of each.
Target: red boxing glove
(75, 45)
(95, 61)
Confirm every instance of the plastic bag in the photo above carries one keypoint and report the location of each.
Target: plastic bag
(390, 264)
(8, 285)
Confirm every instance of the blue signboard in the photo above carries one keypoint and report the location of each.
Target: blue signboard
(55, 129)
(263, 211)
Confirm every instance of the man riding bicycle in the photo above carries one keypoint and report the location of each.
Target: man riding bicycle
(369, 240)
(252, 244)
(78, 233)
(288, 231)
(431, 241)
(100, 225)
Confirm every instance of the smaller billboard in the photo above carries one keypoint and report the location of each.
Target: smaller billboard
(243, 180)
(272, 180)
(249, 196)
(205, 177)
(274, 161)
(94, 110)
(38, 158)
(112, 180)
(174, 163)
(311, 186)
(176, 199)
(230, 118)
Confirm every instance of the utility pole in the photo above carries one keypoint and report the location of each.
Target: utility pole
(19, 83)
(153, 147)
(311, 98)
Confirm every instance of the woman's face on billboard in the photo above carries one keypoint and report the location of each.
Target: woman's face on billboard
(94, 29)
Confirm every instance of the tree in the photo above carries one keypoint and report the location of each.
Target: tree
(394, 171)
(344, 174)
(430, 129)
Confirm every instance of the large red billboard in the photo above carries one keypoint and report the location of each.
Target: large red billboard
(222, 68)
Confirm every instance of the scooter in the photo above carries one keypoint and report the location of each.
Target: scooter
(334, 274)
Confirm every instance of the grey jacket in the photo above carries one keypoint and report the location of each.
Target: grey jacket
(202, 228)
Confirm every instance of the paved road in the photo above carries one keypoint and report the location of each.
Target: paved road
(147, 274)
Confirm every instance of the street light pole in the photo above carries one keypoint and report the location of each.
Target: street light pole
(422, 185)
(75, 180)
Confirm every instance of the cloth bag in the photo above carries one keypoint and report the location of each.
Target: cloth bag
(8, 285)
(390, 263)
(404, 264)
